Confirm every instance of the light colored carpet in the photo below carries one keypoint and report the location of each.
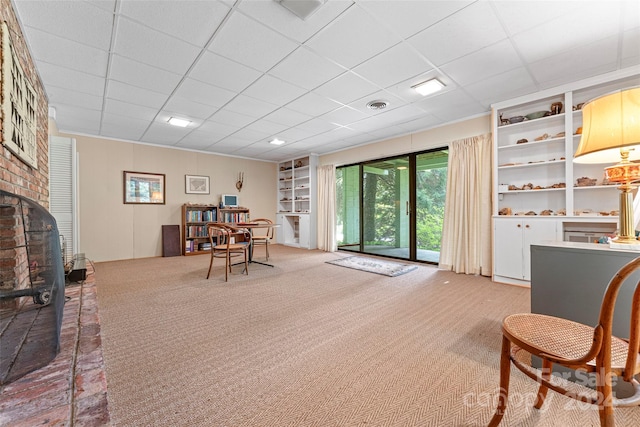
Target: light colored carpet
(308, 344)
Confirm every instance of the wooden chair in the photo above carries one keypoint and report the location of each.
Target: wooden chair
(263, 236)
(221, 237)
(575, 346)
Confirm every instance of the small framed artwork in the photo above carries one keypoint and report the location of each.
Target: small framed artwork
(144, 188)
(196, 184)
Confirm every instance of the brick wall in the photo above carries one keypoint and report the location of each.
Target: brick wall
(15, 176)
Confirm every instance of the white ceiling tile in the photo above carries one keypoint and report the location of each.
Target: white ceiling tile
(317, 126)
(273, 90)
(278, 18)
(153, 48)
(164, 134)
(352, 38)
(232, 118)
(313, 104)
(484, 63)
(343, 116)
(293, 134)
(221, 72)
(409, 17)
(250, 106)
(68, 117)
(287, 117)
(55, 75)
(128, 128)
(187, 108)
(503, 86)
(120, 108)
(519, 16)
(251, 43)
(251, 134)
(586, 25)
(76, 56)
(426, 121)
(569, 66)
(70, 97)
(73, 20)
(451, 105)
(198, 140)
(470, 29)
(145, 76)
(397, 64)
(306, 69)
(398, 115)
(266, 127)
(346, 88)
(233, 142)
(134, 94)
(203, 93)
(193, 21)
(216, 130)
(630, 14)
(631, 43)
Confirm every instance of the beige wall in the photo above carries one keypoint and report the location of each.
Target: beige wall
(432, 138)
(112, 230)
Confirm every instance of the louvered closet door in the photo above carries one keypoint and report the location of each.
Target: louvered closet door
(62, 194)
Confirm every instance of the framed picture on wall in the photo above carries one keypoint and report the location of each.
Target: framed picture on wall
(144, 188)
(196, 184)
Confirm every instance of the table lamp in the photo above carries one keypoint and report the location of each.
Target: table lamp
(611, 133)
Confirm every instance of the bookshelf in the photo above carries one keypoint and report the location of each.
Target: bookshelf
(234, 215)
(194, 227)
(195, 217)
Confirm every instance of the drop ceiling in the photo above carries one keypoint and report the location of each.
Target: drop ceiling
(247, 71)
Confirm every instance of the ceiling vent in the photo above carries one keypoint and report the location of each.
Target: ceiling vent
(377, 105)
(302, 8)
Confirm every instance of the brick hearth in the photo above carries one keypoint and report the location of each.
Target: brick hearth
(72, 389)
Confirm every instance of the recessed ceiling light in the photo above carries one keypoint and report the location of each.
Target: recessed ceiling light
(178, 122)
(378, 104)
(428, 87)
(276, 141)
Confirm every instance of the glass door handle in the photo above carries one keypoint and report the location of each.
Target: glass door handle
(408, 208)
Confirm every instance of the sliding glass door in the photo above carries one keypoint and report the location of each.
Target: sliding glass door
(393, 207)
(431, 186)
(386, 207)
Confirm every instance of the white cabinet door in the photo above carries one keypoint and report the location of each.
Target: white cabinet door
(512, 240)
(508, 247)
(535, 231)
(280, 231)
(304, 231)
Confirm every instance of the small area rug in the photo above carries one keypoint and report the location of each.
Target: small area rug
(374, 265)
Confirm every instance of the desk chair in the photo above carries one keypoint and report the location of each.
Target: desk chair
(263, 236)
(576, 346)
(221, 238)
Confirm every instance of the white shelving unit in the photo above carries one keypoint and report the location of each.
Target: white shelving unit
(536, 194)
(297, 202)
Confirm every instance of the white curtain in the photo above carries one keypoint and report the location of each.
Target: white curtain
(466, 234)
(327, 208)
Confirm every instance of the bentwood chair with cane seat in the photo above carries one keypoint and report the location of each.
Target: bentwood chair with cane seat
(263, 236)
(224, 245)
(576, 346)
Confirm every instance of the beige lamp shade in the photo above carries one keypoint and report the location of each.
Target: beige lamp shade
(609, 123)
